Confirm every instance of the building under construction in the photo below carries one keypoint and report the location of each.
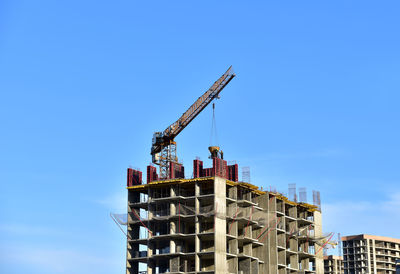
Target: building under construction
(212, 222)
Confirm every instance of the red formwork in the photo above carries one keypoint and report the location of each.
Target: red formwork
(197, 168)
(134, 177)
(180, 173)
(151, 174)
(171, 174)
(233, 173)
(219, 167)
(176, 171)
(208, 172)
(129, 181)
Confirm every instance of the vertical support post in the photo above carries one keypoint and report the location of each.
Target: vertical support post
(251, 213)
(220, 265)
(179, 213)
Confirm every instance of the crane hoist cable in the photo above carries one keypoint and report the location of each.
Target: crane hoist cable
(214, 132)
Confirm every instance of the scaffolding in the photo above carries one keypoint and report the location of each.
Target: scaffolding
(292, 192)
(246, 174)
(302, 195)
(317, 199)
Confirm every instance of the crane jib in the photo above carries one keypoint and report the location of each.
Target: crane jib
(174, 129)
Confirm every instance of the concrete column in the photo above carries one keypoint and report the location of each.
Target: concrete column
(319, 258)
(220, 264)
(197, 245)
(272, 241)
(150, 268)
(374, 255)
(150, 265)
(197, 228)
(265, 252)
(172, 226)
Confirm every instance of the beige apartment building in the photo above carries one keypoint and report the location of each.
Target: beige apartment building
(370, 254)
(333, 264)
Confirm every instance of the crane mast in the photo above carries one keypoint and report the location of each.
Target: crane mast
(163, 149)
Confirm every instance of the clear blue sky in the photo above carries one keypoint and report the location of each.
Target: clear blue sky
(84, 84)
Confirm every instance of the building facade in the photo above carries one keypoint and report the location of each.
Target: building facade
(370, 254)
(333, 264)
(214, 224)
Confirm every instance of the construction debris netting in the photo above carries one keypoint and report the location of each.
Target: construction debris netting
(254, 217)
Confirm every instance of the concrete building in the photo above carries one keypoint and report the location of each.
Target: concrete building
(370, 254)
(333, 264)
(213, 223)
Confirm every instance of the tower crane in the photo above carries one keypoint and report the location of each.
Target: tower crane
(163, 149)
